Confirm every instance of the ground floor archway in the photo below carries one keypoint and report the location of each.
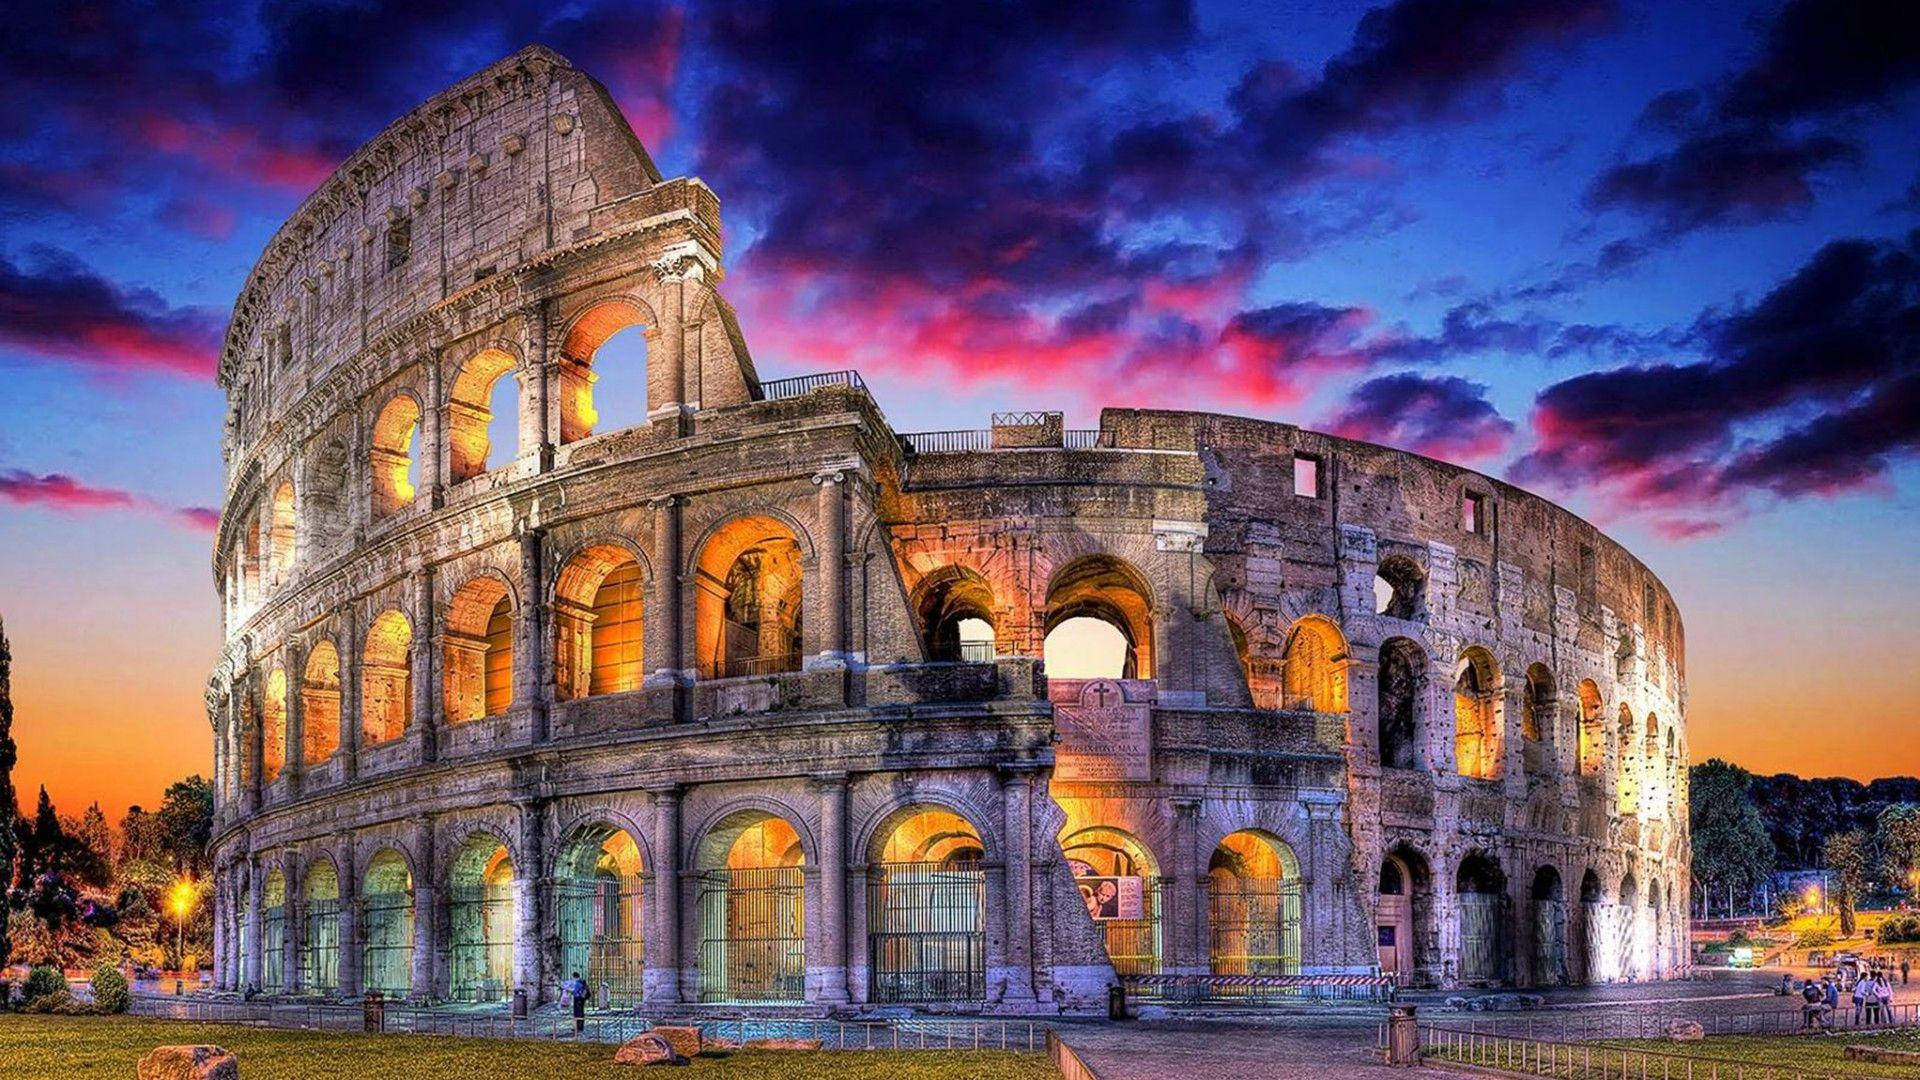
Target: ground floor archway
(926, 909)
(752, 911)
(598, 899)
(386, 925)
(1547, 901)
(1120, 883)
(1484, 915)
(1254, 911)
(320, 936)
(480, 920)
(273, 933)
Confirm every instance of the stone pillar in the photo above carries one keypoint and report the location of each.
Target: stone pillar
(830, 980)
(295, 765)
(1186, 920)
(250, 736)
(426, 911)
(350, 649)
(529, 890)
(350, 943)
(660, 982)
(536, 436)
(222, 968)
(534, 688)
(426, 681)
(1016, 790)
(664, 605)
(293, 923)
(830, 513)
(254, 938)
(433, 436)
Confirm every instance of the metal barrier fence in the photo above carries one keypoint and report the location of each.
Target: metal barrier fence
(1649, 1022)
(1067, 1060)
(779, 389)
(946, 442)
(1598, 1061)
(1258, 989)
(911, 1034)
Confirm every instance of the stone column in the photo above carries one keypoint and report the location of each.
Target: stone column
(1016, 789)
(295, 766)
(660, 982)
(426, 938)
(1186, 920)
(350, 943)
(830, 513)
(350, 649)
(293, 923)
(831, 978)
(222, 968)
(662, 629)
(533, 688)
(529, 890)
(536, 434)
(250, 733)
(254, 938)
(426, 681)
(433, 438)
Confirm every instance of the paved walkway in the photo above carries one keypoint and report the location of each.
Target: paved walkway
(1291, 1048)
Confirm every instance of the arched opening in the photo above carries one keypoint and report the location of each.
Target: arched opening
(598, 896)
(479, 650)
(483, 415)
(326, 495)
(273, 726)
(386, 679)
(273, 932)
(320, 705)
(320, 952)
(1402, 673)
(1313, 667)
(752, 911)
(597, 623)
(1404, 931)
(480, 906)
(386, 925)
(1120, 883)
(1656, 933)
(956, 615)
(1399, 588)
(1627, 930)
(1593, 733)
(926, 900)
(603, 371)
(747, 603)
(1099, 622)
(1652, 778)
(1596, 953)
(1549, 928)
(1476, 715)
(1254, 892)
(250, 561)
(1539, 721)
(282, 537)
(1481, 888)
(391, 461)
(1629, 769)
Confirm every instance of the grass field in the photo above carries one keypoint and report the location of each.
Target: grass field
(1815, 1055)
(82, 1048)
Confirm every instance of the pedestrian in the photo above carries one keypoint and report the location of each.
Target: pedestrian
(576, 989)
(1858, 994)
(1831, 998)
(1809, 1004)
(1903, 971)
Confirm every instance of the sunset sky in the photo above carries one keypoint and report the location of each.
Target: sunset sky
(1658, 261)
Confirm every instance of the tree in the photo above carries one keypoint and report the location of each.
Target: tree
(1732, 852)
(1850, 856)
(9, 804)
(186, 824)
(1897, 834)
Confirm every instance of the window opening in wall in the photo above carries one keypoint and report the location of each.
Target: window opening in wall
(1476, 730)
(1306, 476)
(1473, 513)
(399, 243)
(1398, 588)
(603, 384)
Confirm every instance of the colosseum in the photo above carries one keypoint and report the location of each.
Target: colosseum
(748, 702)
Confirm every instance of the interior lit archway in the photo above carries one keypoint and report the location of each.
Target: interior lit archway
(598, 623)
(386, 925)
(748, 600)
(1254, 905)
(1477, 742)
(386, 679)
(480, 907)
(482, 415)
(393, 449)
(1120, 883)
(320, 932)
(478, 658)
(320, 704)
(752, 910)
(926, 908)
(599, 896)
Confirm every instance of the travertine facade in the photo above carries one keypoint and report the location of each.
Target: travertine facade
(748, 702)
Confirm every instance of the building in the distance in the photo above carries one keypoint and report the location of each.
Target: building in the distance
(749, 701)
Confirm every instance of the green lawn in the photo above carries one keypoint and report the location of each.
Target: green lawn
(86, 1047)
(1816, 1055)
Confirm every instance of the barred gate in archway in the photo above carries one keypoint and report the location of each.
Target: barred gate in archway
(753, 935)
(1255, 927)
(386, 925)
(1549, 943)
(600, 936)
(1483, 937)
(273, 948)
(925, 924)
(481, 957)
(1133, 945)
(320, 955)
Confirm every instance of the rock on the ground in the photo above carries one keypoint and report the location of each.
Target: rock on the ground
(1457, 1004)
(782, 1044)
(717, 1045)
(189, 1063)
(647, 1048)
(1882, 1056)
(685, 1040)
(1684, 1031)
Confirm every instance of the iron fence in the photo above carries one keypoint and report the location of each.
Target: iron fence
(1088, 439)
(781, 389)
(928, 938)
(1611, 1023)
(480, 957)
(767, 664)
(946, 442)
(1597, 1060)
(1255, 926)
(386, 924)
(600, 936)
(752, 935)
(320, 947)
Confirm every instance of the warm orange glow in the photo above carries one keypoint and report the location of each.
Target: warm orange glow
(598, 610)
(1313, 669)
(320, 704)
(747, 610)
(1106, 589)
(1476, 726)
(478, 661)
(470, 412)
(578, 415)
(386, 679)
(392, 454)
(180, 898)
(273, 726)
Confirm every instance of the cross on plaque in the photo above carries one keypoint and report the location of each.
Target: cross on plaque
(1101, 690)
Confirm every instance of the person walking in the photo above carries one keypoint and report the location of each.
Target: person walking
(1903, 971)
(576, 989)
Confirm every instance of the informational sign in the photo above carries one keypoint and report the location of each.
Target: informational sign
(1112, 898)
(1103, 735)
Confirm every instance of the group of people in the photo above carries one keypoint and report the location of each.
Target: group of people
(1869, 993)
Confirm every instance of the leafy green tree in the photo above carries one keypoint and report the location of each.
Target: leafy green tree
(1732, 852)
(186, 824)
(1850, 856)
(1897, 834)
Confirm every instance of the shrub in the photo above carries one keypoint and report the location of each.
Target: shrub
(1814, 939)
(1739, 937)
(110, 992)
(42, 981)
(59, 1003)
(1900, 928)
(6, 993)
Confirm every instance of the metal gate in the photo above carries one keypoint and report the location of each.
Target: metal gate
(480, 959)
(1255, 927)
(1594, 941)
(753, 935)
(1133, 945)
(386, 923)
(320, 957)
(273, 948)
(925, 925)
(1483, 937)
(600, 936)
(1549, 942)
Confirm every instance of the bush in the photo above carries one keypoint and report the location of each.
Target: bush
(59, 1003)
(42, 981)
(1814, 939)
(1739, 937)
(110, 992)
(1900, 928)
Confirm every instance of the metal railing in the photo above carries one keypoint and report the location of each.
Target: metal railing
(1088, 439)
(946, 442)
(1589, 1025)
(1598, 1061)
(909, 1034)
(737, 667)
(781, 389)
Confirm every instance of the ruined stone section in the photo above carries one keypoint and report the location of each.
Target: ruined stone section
(750, 702)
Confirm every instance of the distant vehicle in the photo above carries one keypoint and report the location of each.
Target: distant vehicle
(1742, 957)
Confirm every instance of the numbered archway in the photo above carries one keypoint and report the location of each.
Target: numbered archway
(386, 925)
(1120, 884)
(1253, 909)
(320, 938)
(480, 909)
(598, 896)
(926, 909)
(752, 910)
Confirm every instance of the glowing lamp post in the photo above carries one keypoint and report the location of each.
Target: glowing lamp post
(180, 899)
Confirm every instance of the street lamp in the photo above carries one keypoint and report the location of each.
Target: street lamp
(180, 899)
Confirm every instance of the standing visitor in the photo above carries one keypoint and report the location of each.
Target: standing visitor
(1903, 971)
(576, 989)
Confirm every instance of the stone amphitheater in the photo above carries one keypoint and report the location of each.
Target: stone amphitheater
(748, 703)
